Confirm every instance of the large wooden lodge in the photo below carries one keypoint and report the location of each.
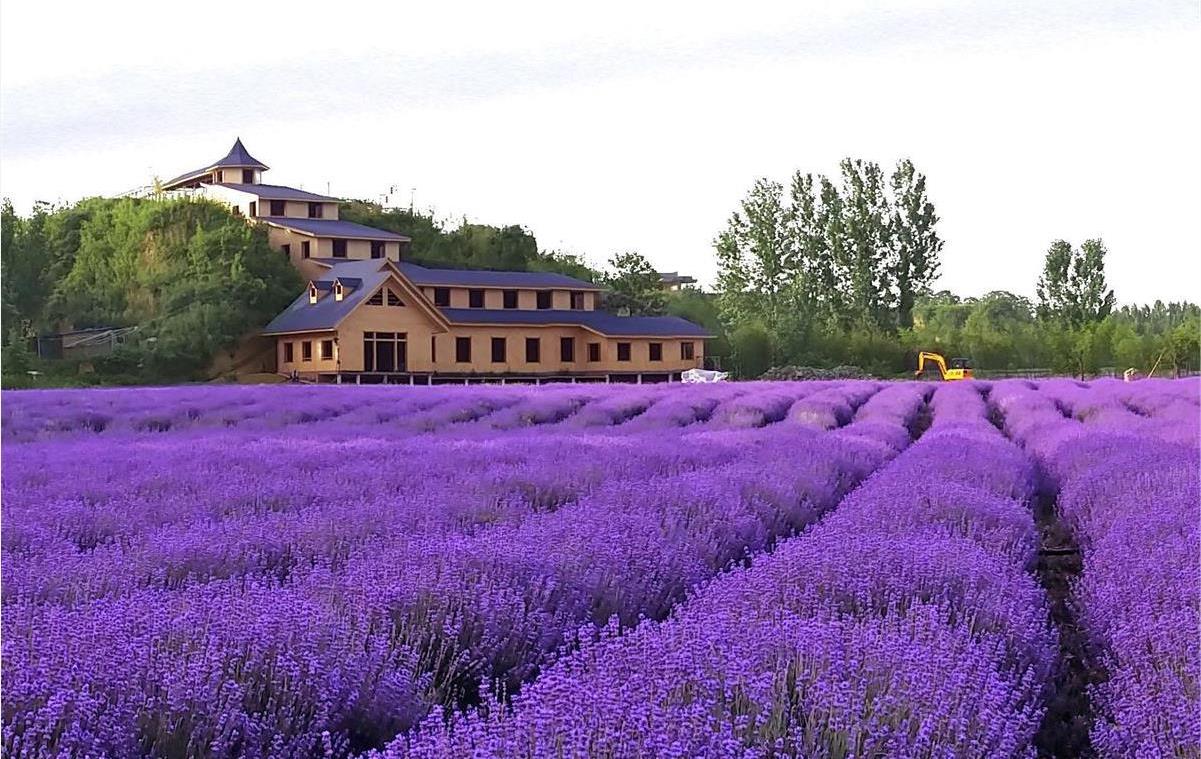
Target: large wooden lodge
(368, 315)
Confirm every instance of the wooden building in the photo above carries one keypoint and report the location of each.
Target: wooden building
(368, 315)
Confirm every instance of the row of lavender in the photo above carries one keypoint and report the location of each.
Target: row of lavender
(907, 623)
(1124, 461)
(254, 610)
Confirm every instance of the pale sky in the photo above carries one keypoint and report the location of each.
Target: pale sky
(639, 125)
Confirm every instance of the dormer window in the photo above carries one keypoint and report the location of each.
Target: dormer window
(339, 291)
(312, 293)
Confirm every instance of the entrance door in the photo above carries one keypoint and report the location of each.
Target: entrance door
(385, 356)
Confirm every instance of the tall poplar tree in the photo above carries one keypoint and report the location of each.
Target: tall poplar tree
(916, 244)
(1072, 288)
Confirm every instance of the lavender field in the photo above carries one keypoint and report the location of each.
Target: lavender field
(818, 569)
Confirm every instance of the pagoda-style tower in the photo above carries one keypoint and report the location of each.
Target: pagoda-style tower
(237, 167)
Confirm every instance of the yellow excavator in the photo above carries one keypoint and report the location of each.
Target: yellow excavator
(960, 369)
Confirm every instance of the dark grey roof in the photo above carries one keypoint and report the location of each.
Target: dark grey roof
(350, 281)
(276, 192)
(237, 156)
(334, 228)
(420, 275)
(601, 321)
(326, 313)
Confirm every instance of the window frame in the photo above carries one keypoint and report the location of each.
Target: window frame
(278, 207)
(654, 352)
(462, 350)
(549, 300)
(625, 348)
(533, 350)
(510, 299)
(442, 297)
(377, 246)
(305, 249)
(289, 352)
(577, 296)
(341, 243)
(687, 351)
(594, 353)
(306, 351)
(327, 355)
(475, 297)
(316, 210)
(503, 344)
(567, 350)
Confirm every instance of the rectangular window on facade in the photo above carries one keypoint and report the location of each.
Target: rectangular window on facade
(287, 249)
(544, 299)
(247, 176)
(623, 351)
(687, 351)
(475, 298)
(394, 299)
(339, 249)
(254, 208)
(377, 249)
(577, 301)
(277, 208)
(377, 299)
(434, 349)
(442, 297)
(498, 350)
(533, 350)
(314, 210)
(306, 350)
(594, 352)
(289, 353)
(304, 249)
(327, 350)
(463, 350)
(510, 297)
(656, 351)
(567, 349)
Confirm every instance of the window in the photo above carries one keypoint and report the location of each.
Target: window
(463, 350)
(304, 249)
(327, 350)
(339, 249)
(394, 299)
(434, 348)
(687, 351)
(623, 351)
(498, 350)
(339, 291)
(656, 351)
(385, 351)
(510, 298)
(247, 176)
(594, 351)
(277, 208)
(442, 297)
(567, 349)
(306, 350)
(220, 176)
(475, 298)
(289, 354)
(312, 293)
(254, 208)
(377, 299)
(533, 350)
(577, 301)
(377, 249)
(314, 210)
(544, 299)
(287, 249)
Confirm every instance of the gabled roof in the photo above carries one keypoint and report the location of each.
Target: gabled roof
(328, 312)
(333, 228)
(601, 322)
(276, 192)
(237, 157)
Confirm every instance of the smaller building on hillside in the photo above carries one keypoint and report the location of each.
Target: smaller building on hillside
(383, 321)
(673, 280)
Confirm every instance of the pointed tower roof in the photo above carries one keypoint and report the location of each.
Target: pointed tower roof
(237, 156)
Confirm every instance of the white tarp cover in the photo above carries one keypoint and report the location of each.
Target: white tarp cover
(703, 375)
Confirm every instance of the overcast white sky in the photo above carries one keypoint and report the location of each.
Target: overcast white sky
(636, 125)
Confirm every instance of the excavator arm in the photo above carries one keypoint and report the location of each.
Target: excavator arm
(933, 358)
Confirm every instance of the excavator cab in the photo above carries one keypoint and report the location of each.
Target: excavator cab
(960, 368)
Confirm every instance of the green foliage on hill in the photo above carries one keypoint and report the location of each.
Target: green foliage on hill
(192, 277)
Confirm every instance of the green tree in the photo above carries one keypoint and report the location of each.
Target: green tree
(1072, 287)
(634, 284)
(914, 263)
(868, 234)
(751, 349)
